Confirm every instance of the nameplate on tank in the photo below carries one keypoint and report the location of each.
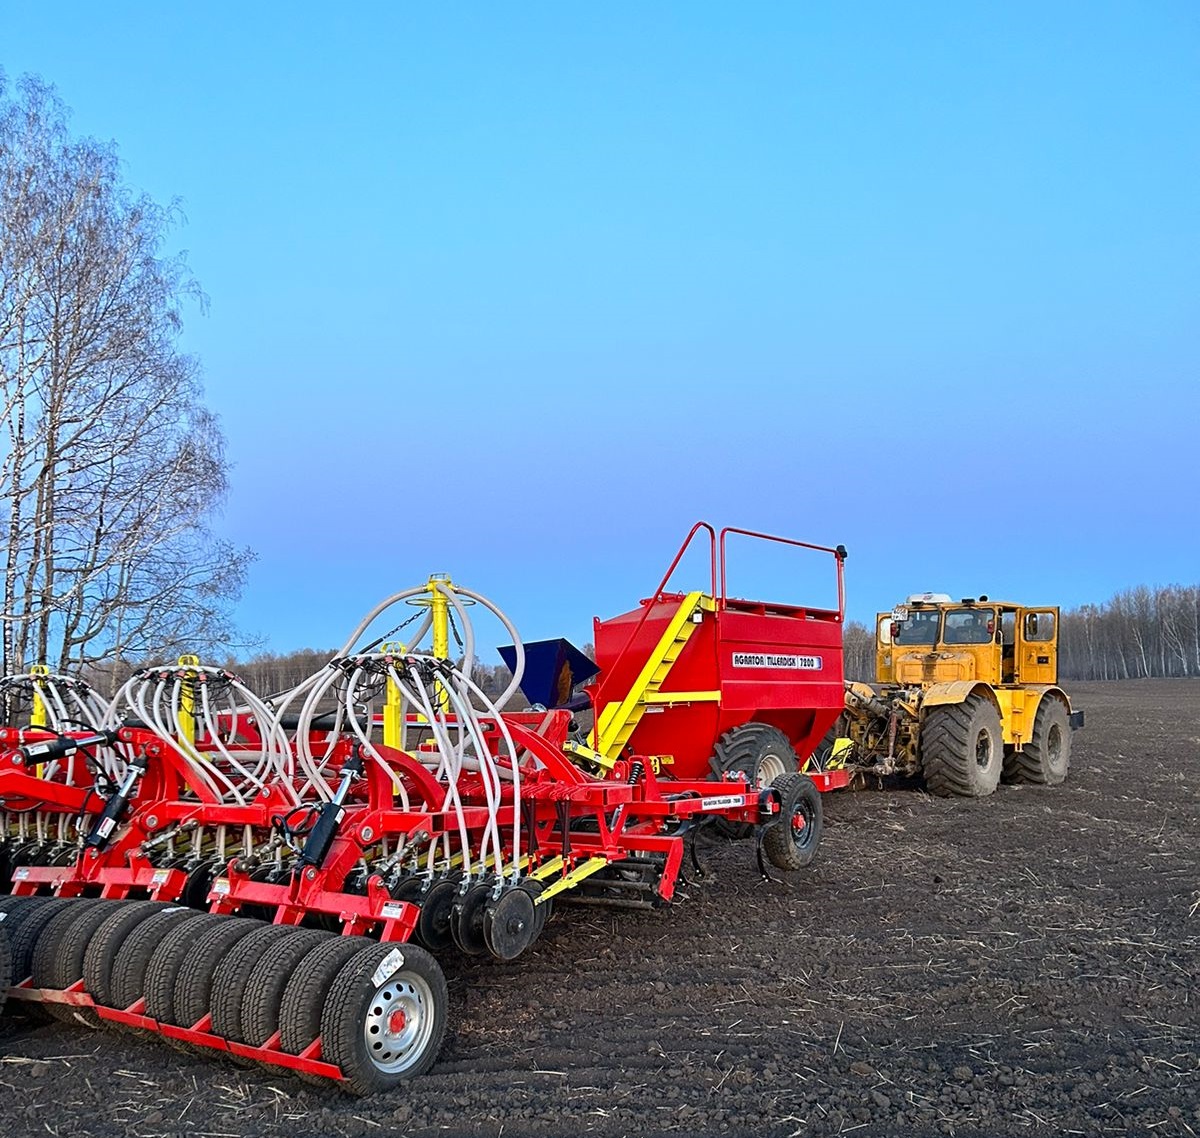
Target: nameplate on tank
(770, 660)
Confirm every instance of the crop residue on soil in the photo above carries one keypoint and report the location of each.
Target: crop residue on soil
(1025, 963)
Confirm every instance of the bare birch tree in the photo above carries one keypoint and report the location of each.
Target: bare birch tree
(111, 469)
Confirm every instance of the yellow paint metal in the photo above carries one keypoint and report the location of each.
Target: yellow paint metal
(393, 706)
(547, 868)
(673, 697)
(570, 880)
(38, 716)
(187, 703)
(439, 605)
(616, 721)
(588, 754)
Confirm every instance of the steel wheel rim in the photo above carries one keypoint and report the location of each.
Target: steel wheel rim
(983, 749)
(770, 767)
(399, 1023)
(802, 825)
(1054, 744)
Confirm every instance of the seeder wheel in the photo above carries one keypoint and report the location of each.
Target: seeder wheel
(466, 919)
(193, 985)
(5, 967)
(304, 997)
(434, 923)
(265, 988)
(127, 977)
(790, 841)
(232, 977)
(510, 924)
(385, 1017)
(58, 954)
(102, 949)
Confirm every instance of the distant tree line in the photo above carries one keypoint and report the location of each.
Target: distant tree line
(1138, 633)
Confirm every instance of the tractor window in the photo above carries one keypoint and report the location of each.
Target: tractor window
(1039, 626)
(969, 626)
(919, 628)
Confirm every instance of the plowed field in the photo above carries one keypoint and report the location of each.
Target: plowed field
(1022, 964)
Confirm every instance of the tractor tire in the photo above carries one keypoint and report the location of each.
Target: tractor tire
(167, 959)
(127, 977)
(786, 845)
(759, 751)
(306, 993)
(269, 979)
(232, 976)
(962, 748)
(385, 1017)
(46, 954)
(193, 985)
(107, 942)
(1046, 758)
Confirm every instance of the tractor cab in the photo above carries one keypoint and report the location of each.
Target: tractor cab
(933, 639)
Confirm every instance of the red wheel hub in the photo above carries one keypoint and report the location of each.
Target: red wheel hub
(396, 1021)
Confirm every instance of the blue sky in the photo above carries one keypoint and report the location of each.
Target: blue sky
(518, 292)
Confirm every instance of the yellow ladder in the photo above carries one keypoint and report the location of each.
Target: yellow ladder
(616, 721)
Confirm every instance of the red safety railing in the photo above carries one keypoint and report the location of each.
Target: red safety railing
(838, 553)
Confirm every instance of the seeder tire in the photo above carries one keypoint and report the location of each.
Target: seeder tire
(759, 751)
(306, 992)
(233, 974)
(5, 967)
(69, 956)
(962, 748)
(1046, 758)
(266, 985)
(167, 959)
(434, 924)
(127, 983)
(385, 1017)
(106, 943)
(52, 967)
(193, 985)
(788, 846)
(25, 925)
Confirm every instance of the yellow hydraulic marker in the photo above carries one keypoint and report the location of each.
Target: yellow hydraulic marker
(393, 706)
(187, 703)
(38, 715)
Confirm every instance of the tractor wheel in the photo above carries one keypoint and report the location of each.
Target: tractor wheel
(127, 976)
(232, 976)
(167, 959)
(107, 942)
(306, 993)
(1046, 758)
(385, 1017)
(759, 751)
(962, 748)
(790, 841)
(193, 985)
(265, 987)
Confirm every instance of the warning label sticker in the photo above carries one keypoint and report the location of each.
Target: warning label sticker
(772, 660)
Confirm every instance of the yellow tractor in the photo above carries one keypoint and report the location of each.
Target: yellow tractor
(967, 694)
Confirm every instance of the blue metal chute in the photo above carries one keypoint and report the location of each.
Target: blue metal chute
(553, 668)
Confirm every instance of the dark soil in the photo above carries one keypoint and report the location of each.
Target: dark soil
(1021, 964)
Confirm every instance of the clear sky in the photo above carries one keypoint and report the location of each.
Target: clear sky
(520, 291)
